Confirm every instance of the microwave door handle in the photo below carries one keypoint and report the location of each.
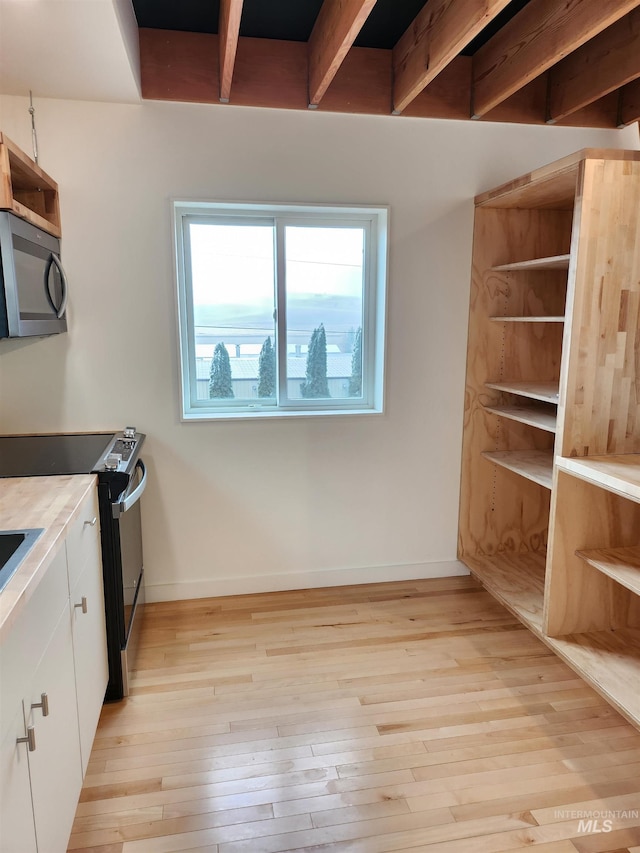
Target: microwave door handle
(55, 260)
(65, 287)
(120, 507)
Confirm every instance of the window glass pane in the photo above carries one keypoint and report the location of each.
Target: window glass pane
(232, 268)
(325, 297)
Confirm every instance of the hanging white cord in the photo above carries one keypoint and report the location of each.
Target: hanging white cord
(34, 137)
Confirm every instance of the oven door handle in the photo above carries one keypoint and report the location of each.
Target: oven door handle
(120, 507)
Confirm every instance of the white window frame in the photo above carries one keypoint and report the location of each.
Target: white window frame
(374, 220)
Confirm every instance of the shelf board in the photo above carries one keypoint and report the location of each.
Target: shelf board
(555, 319)
(609, 661)
(618, 474)
(516, 581)
(556, 262)
(621, 564)
(535, 465)
(530, 415)
(548, 391)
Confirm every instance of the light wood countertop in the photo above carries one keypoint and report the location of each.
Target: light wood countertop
(51, 503)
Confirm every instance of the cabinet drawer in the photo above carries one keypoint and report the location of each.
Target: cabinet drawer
(83, 539)
(24, 646)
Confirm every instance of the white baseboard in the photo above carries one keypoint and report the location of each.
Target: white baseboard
(300, 580)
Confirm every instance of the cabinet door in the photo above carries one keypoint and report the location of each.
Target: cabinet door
(90, 653)
(23, 646)
(55, 767)
(17, 831)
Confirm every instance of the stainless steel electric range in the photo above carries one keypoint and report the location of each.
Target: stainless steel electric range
(122, 478)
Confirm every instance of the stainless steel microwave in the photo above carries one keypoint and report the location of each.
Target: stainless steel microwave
(33, 296)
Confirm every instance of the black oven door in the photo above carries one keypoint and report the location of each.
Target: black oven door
(123, 576)
(126, 512)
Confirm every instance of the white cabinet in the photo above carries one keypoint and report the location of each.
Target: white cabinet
(23, 651)
(57, 649)
(54, 765)
(17, 829)
(87, 623)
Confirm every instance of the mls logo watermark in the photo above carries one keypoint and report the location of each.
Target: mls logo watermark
(590, 825)
(593, 821)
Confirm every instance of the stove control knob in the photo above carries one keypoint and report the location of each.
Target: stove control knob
(112, 461)
(129, 432)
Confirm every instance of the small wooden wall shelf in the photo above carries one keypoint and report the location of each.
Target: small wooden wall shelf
(559, 545)
(27, 190)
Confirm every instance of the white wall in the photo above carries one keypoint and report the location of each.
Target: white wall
(237, 506)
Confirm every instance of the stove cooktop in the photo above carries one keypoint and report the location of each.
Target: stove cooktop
(80, 453)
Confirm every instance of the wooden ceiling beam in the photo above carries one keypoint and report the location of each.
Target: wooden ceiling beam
(228, 32)
(336, 28)
(600, 66)
(437, 35)
(183, 66)
(629, 106)
(538, 37)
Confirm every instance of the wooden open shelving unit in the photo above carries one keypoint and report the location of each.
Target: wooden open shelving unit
(550, 491)
(27, 190)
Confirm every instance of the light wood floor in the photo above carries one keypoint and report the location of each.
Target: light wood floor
(414, 716)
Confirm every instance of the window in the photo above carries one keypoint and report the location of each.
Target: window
(281, 308)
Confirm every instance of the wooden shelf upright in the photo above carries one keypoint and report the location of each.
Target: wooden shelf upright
(550, 492)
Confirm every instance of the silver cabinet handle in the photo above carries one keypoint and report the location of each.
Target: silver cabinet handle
(91, 523)
(43, 703)
(30, 739)
(83, 604)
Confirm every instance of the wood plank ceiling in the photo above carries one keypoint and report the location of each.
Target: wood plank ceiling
(570, 62)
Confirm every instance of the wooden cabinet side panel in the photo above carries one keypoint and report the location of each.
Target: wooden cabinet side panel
(6, 190)
(600, 403)
(579, 598)
(500, 511)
